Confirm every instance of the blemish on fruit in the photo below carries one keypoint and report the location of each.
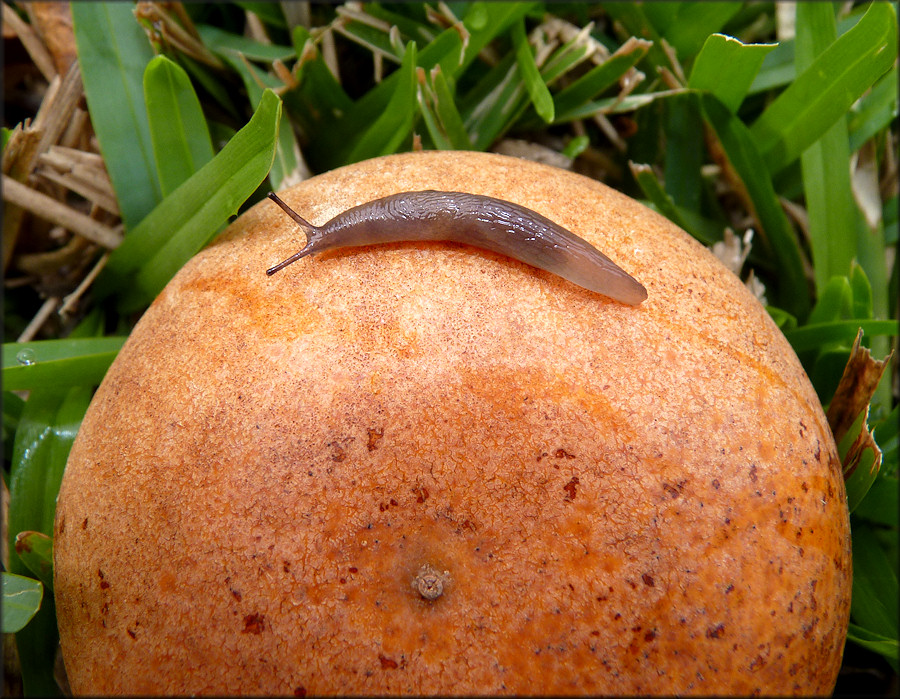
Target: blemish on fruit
(338, 453)
(387, 663)
(375, 435)
(254, 623)
(571, 488)
(715, 631)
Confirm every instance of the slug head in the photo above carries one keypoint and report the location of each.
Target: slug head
(309, 229)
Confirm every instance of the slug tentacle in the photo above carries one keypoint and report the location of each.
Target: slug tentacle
(473, 219)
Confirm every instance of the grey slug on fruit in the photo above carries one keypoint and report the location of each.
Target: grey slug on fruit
(473, 219)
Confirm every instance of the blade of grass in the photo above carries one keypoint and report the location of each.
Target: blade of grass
(333, 139)
(48, 427)
(328, 144)
(394, 124)
(826, 90)
(825, 164)
(778, 67)
(268, 12)
(484, 21)
(113, 52)
(882, 504)
(726, 67)
(810, 337)
(834, 303)
(874, 599)
(175, 230)
(285, 167)
(653, 190)
(443, 122)
(35, 549)
(875, 111)
(684, 151)
(740, 150)
(489, 108)
(21, 600)
(218, 39)
(633, 18)
(862, 292)
(534, 84)
(320, 99)
(600, 78)
(888, 647)
(46, 431)
(58, 363)
(694, 23)
(447, 112)
(181, 142)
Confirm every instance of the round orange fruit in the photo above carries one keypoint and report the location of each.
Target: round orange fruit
(425, 468)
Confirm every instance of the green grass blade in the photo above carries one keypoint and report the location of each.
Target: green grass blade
(726, 67)
(492, 104)
(218, 39)
(600, 78)
(684, 151)
(269, 12)
(534, 84)
(438, 110)
(742, 154)
(826, 90)
(447, 112)
(185, 221)
(874, 599)
(35, 549)
(181, 142)
(888, 647)
(21, 601)
(46, 431)
(394, 124)
(45, 435)
(287, 154)
(694, 23)
(653, 190)
(834, 302)
(811, 337)
(484, 21)
(113, 51)
(862, 292)
(633, 17)
(373, 39)
(875, 111)
(338, 136)
(882, 504)
(58, 363)
(825, 164)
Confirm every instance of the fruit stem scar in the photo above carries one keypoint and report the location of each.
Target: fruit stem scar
(429, 583)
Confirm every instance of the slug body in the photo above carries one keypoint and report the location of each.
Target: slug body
(473, 219)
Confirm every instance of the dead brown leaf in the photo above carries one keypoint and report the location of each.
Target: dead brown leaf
(855, 389)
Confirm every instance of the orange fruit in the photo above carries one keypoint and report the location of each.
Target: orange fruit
(427, 468)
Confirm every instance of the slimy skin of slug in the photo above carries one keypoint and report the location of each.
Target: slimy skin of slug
(473, 219)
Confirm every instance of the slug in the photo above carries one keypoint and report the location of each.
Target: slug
(484, 222)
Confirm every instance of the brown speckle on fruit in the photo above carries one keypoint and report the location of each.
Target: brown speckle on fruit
(254, 624)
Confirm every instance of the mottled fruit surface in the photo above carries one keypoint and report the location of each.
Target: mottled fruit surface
(427, 468)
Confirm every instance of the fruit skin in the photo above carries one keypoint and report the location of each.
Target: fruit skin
(625, 500)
